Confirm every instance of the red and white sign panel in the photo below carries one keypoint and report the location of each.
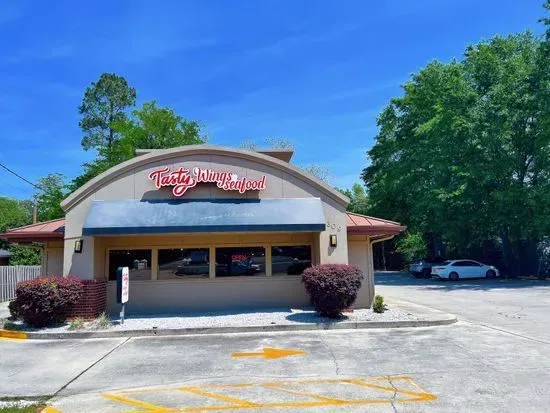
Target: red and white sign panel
(125, 287)
(182, 179)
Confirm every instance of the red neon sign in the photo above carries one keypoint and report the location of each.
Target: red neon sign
(182, 179)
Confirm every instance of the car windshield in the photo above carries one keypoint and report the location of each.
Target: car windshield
(446, 262)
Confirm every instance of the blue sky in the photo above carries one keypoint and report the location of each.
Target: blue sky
(316, 72)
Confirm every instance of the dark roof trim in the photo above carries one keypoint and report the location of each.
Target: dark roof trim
(208, 229)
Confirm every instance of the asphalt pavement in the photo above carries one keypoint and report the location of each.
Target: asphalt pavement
(483, 363)
(516, 306)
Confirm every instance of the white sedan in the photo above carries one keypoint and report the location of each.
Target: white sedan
(456, 269)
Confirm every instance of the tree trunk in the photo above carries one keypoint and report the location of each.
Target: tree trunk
(511, 255)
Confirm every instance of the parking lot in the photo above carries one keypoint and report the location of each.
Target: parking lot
(516, 306)
(486, 362)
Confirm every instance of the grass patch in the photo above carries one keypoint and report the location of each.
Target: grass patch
(38, 403)
(103, 321)
(76, 324)
(35, 408)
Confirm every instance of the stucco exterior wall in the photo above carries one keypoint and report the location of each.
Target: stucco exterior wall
(360, 254)
(130, 181)
(232, 293)
(52, 258)
(263, 291)
(135, 184)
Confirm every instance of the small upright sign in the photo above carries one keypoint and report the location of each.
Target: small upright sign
(122, 284)
(122, 288)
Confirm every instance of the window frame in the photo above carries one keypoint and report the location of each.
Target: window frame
(153, 263)
(212, 273)
(280, 244)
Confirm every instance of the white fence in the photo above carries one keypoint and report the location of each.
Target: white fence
(11, 275)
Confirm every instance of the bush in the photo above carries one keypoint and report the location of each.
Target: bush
(45, 301)
(412, 246)
(378, 305)
(103, 321)
(76, 324)
(12, 306)
(332, 287)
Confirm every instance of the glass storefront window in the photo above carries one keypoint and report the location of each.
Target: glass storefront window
(290, 260)
(138, 261)
(240, 261)
(175, 264)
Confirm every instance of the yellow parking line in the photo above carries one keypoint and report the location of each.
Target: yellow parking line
(50, 409)
(229, 399)
(305, 394)
(235, 403)
(137, 403)
(363, 383)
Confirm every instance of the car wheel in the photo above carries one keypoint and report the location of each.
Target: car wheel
(491, 274)
(453, 276)
(426, 273)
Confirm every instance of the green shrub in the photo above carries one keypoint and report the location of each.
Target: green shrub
(8, 325)
(76, 324)
(332, 287)
(378, 305)
(103, 321)
(12, 306)
(412, 246)
(45, 301)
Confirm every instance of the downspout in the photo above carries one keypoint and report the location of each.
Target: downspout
(377, 240)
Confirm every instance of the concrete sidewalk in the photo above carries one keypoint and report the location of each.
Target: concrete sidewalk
(4, 310)
(400, 314)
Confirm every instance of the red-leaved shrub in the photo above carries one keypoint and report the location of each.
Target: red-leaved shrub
(332, 287)
(45, 301)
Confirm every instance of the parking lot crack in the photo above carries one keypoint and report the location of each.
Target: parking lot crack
(332, 355)
(392, 402)
(92, 365)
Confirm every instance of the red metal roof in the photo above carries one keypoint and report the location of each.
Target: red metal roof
(41, 231)
(55, 229)
(365, 225)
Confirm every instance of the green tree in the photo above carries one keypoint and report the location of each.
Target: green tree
(24, 255)
(154, 127)
(358, 199)
(412, 246)
(48, 198)
(14, 213)
(104, 104)
(150, 127)
(463, 156)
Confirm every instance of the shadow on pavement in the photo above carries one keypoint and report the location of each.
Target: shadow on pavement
(311, 317)
(404, 279)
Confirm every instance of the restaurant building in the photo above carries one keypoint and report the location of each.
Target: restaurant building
(204, 228)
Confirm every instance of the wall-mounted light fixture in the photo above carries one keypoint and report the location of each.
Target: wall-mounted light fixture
(78, 246)
(333, 240)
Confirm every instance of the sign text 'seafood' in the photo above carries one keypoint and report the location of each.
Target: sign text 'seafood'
(182, 179)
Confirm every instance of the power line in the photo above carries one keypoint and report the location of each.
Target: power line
(19, 176)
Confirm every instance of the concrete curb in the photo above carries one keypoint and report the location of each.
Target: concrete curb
(449, 319)
(14, 334)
